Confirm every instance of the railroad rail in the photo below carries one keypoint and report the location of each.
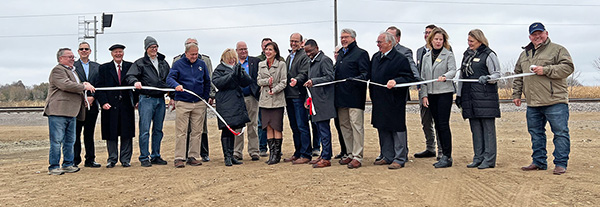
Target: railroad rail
(31, 109)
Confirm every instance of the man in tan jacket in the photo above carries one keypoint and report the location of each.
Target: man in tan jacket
(547, 97)
(65, 102)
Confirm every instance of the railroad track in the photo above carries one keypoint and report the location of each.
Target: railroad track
(32, 109)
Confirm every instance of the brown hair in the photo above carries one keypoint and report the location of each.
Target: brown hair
(438, 30)
(478, 35)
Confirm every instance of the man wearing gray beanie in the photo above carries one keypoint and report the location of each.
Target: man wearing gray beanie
(150, 70)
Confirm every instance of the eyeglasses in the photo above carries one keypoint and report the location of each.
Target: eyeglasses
(84, 49)
(153, 47)
(427, 32)
(69, 57)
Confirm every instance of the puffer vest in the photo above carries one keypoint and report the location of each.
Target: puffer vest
(479, 101)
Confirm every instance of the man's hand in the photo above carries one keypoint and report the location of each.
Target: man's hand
(517, 101)
(90, 100)
(179, 88)
(106, 106)
(293, 82)
(441, 79)
(538, 70)
(172, 104)
(138, 85)
(308, 84)
(210, 101)
(89, 87)
(425, 102)
(391, 84)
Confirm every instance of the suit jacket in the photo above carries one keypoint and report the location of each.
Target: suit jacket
(445, 65)
(407, 52)
(92, 78)
(65, 95)
(354, 63)
(122, 102)
(253, 68)
(299, 71)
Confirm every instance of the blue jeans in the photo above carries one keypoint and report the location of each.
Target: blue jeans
(62, 133)
(298, 117)
(262, 135)
(558, 116)
(151, 110)
(324, 134)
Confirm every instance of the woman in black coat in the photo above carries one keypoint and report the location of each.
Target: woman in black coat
(229, 78)
(479, 100)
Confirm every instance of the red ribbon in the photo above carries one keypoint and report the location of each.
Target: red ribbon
(309, 103)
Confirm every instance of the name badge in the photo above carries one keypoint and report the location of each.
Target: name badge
(475, 59)
(438, 60)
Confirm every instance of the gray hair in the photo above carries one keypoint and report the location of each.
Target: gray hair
(190, 39)
(389, 37)
(61, 52)
(84, 42)
(190, 46)
(349, 31)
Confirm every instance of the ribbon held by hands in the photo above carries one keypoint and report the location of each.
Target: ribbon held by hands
(309, 103)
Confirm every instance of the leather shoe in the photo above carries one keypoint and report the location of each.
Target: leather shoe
(354, 164)
(312, 162)
(126, 164)
(179, 164)
(302, 160)
(238, 157)
(381, 162)
(263, 153)
(322, 163)
(345, 161)
(558, 170)
(424, 154)
(205, 158)
(193, 162)
(532, 167)
(255, 157)
(395, 166)
(146, 163)
(473, 164)
(158, 161)
(110, 165)
(92, 164)
(291, 159)
(338, 156)
(485, 166)
(378, 158)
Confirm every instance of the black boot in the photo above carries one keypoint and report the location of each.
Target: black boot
(230, 151)
(270, 143)
(277, 151)
(444, 162)
(225, 146)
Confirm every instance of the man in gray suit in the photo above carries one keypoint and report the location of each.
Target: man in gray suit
(426, 118)
(87, 71)
(407, 52)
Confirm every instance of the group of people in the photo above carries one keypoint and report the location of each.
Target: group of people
(252, 94)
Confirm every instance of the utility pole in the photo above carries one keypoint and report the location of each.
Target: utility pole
(85, 32)
(335, 27)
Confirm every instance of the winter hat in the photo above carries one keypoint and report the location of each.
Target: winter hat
(149, 41)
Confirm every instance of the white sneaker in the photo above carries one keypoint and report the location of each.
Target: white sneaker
(56, 171)
(70, 169)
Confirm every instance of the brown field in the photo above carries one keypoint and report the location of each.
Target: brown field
(24, 158)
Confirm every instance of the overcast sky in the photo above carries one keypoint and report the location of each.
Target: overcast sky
(32, 31)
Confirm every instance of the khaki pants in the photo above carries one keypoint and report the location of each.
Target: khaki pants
(192, 114)
(351, 123)
(251, 130)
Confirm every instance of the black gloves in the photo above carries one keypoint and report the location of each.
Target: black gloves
(458, 100)
(484, 79)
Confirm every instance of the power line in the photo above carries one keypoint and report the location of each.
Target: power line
(495, 3)
(175, 30)
(157, 10)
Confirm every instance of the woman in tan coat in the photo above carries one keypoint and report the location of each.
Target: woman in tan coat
(272, 76)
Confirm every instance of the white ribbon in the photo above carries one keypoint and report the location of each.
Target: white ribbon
(171, 89)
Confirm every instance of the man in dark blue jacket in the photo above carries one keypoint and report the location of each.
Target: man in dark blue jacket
(190, 73)
(150, 70)
(352, 63)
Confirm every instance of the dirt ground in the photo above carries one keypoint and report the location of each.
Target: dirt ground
(24, 180)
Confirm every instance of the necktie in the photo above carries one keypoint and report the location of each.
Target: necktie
(119, 73)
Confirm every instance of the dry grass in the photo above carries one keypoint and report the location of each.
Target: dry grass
(22, 103)
(574, 92)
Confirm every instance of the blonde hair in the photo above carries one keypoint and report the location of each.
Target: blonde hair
(438, 30)
(228, 54)
(478, 35)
